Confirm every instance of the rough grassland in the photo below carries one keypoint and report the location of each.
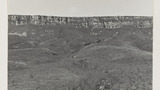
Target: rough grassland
(73, 59)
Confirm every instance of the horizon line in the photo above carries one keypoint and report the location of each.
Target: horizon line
(82, 15)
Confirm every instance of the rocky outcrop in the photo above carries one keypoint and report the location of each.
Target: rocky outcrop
(82, 22)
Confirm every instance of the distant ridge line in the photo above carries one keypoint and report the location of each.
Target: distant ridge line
(76, 16)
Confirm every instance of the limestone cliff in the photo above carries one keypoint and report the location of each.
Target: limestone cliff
(83, 22)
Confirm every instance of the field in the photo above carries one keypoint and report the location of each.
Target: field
(68, 58)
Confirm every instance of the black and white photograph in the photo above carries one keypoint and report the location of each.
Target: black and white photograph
(80, 44)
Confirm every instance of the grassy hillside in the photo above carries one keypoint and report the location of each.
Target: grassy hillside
(47, 57)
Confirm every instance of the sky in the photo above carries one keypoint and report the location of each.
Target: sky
(81, 7)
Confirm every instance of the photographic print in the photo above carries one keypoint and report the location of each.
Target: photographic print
(80, 44)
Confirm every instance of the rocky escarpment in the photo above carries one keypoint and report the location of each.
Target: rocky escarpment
(83, 22)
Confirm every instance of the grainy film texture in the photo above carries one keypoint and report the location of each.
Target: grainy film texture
(80, 53)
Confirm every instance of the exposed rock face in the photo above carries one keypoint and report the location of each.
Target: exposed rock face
(83, 22)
